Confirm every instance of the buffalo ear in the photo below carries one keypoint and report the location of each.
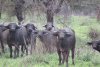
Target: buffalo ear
(34, 27)
(89, 43)
(25, 25)
(4, 27)
(18, 27)
(35, 32)
(55, 34)
(52, 25)
(7, 27)
(45, 26)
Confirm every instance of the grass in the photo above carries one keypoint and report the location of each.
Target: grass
(85, 56)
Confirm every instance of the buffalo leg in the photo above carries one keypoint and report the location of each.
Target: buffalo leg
(66, 57)
(2, 46)
(22, 51)
(49, 48)
(73, 56)
(34, 43)
(63, 57)
(31, 48)
(15, 52)
(26, 47)
(10, 47)
(18, 51)
(59, 54)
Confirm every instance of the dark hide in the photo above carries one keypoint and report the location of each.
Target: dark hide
(31, 37)
(50, 27)
(1, 39)
(21, 39)
(15, 37)
(11, 35)
(48, 40)
(66, 42)
(95, 44)
(2, 28)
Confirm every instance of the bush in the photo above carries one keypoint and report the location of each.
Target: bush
(93, 33)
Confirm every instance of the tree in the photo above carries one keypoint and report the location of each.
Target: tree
(0, 8)
(1, 2)
(50, 7)
(98, 15)
(18, 10)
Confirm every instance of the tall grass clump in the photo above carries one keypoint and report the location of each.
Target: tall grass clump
(96, 61)
(93, 33)
(39, 55)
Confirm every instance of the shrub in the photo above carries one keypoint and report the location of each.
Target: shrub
(93, 33)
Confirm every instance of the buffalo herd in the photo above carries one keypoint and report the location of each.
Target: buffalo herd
(23, 35)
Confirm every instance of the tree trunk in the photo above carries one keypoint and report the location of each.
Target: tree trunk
(18, 11)
(98, 15)
(0, 11)
(0, 8)
(49, 15)
(49, 6)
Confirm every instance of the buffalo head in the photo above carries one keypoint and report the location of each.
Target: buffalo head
(49, 26)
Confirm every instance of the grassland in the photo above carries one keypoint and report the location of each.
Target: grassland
(85, 56)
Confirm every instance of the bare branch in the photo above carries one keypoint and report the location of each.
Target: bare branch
(58, 6)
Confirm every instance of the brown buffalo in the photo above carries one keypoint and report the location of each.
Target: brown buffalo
(66, 42)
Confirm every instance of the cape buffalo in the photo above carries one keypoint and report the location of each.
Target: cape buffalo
(16, 36)
(31, 37)
(95, 44)
(2, 35)
(47, 39)
(50, 27)
(66, 42)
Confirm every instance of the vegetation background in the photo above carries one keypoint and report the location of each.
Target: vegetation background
(81, 17)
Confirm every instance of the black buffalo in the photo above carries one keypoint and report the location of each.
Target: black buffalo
(66, 42)
(31, 37)
(21, 39)
(16, 36)
(95, 44)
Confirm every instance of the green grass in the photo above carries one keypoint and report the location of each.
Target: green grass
(85, 56)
